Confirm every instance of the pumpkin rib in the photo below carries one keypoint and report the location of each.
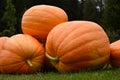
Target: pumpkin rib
(37, 57)
(36, 61)
(62, 40)
(12, 63)
(60, 10)
(60, 47)
(58, 17)
(3, 52)
(15, 71)
(36, 22)
(56, 59)
(35, 33)
(72, 33)
(81, 58)
(52, 42)
(2, 41)
(78, 47)
(37, 50)
(20, 67)
(85, 65)
(52, 38)
(90, 61)
(66, 39)
(62, 33)
(86, 60)
(19, 47)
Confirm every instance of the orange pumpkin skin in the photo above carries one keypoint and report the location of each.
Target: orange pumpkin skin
(115, 53)
(40, 19)
(2, 40)
(78, 46)
(21, 53)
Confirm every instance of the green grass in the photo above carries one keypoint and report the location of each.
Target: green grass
(106, 74)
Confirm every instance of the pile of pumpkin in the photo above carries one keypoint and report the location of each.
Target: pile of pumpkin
(50, 41)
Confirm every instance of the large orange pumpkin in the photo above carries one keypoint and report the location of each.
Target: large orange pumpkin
(40, 19)
(115, 53)
(78, 45)
(21, 53)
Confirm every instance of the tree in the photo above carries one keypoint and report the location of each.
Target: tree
(75, 10)
(112, 14)
(90, 11)
(2, 10)
(111, 19)
(9, 19)
(20, 6)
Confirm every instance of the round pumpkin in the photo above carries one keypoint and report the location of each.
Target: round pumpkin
(40, 19)
(78, 46)
(21, 53)
(115, 53)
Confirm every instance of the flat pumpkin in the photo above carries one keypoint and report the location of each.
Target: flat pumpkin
(40, 19)
(21, 53)
(77, 46)
(115, 53)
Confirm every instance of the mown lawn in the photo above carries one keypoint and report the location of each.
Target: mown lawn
(106, 74)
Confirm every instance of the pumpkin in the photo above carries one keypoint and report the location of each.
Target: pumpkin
(21, 53)
(40, 19)
(115, 53)
(78, 46)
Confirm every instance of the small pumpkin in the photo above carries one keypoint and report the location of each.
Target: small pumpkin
(21, 53)
(77, 46)
(115, 53)
(40, 19)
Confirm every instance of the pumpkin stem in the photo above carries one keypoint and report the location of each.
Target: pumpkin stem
(56, 59)
(29, 63)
